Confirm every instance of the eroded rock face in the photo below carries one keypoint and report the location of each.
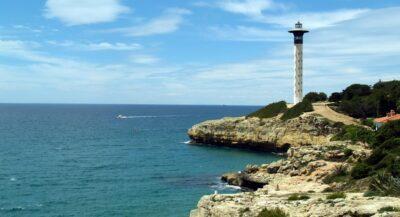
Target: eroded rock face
(250, 204)
(270, 134)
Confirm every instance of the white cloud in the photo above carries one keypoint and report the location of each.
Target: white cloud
(78, 12)
(256, 11)
(144, 59)
(313, 20)
(118, 46)
(247, 33)
(169, 22)
(251, 8)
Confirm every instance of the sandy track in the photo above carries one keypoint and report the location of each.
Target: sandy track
(324, 110)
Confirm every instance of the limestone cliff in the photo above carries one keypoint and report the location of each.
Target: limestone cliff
(271, 134)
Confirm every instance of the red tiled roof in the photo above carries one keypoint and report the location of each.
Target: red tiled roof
(387, 119)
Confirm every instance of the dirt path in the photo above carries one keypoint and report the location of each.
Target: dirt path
(324, 110)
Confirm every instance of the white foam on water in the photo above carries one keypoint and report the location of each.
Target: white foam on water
(186, 142)
(145, 116)
(13, 179)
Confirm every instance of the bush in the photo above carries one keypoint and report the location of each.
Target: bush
(298, 197)
(270, 110)
(297, 110)
(388, 209)
(360, 101)
(315, 97)
(336, 195)
(360, 170)
(370, 193)
(356, 90)
(335, 97)
(276, 212)
(388, 131)
(368, 122)
(385, 184)
(355, 134)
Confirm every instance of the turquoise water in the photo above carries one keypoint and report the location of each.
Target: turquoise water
(80, 160)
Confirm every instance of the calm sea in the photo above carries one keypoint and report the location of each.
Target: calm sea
(80, 160)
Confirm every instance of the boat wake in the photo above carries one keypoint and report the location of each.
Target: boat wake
(145, 116)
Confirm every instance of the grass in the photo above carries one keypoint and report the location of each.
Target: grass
(371, 193)
(297, 110)
(388, 209)
(275, 212)
(336, 195)
(270, 110)
(298, 197)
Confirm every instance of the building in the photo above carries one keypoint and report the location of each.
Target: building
(391, 116)
(298, 33)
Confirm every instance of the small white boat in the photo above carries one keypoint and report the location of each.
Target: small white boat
(121, 117)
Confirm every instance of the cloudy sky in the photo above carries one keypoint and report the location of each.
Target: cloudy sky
(190, 52)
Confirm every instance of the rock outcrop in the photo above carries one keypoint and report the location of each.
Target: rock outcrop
(314, 166)
(271, 134)
(303, 172)
(250, 204)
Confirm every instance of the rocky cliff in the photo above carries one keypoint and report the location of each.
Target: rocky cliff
(270, 134)
(314, 167)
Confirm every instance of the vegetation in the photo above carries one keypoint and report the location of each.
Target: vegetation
(369, 122)
(382, 166)
(362, 101)
(297, 110)
(298, 197)
(336, 195)
(315, 97)
(270, 110)
(389, 209)
(355, 134)
(276, 212)
(335, 97)
(360, 170)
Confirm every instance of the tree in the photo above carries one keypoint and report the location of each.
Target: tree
(356, 90)
(335, 97)
(315, 97)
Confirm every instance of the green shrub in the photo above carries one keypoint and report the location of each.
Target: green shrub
(298, 197)
(336, 195)
(388, 131)
(360, 170)
(369, 122)
(315, 97)
(355, 134)
(370, 193)
(385, 184)
(356, 90)
(275, 212)
(270, 110)
(347, 152)
(335, 97)
(360, 101)
(388, 209)
(297, 110)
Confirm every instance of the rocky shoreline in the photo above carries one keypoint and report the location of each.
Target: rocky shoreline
(312, 168)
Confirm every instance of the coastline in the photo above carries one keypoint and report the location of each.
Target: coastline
(312, 159)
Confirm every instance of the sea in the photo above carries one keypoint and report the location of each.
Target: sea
(81, 160)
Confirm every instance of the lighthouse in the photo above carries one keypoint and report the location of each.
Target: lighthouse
(298, 33)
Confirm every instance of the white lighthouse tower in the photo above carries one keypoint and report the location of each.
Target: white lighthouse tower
(298, 33)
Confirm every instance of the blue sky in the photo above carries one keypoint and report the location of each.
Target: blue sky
(190, 52)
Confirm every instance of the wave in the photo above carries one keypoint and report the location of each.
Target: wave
(222, 186)
(186, 142)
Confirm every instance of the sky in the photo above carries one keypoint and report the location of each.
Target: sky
(232, 52)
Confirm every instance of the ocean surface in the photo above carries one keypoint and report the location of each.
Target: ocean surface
(80, 160)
